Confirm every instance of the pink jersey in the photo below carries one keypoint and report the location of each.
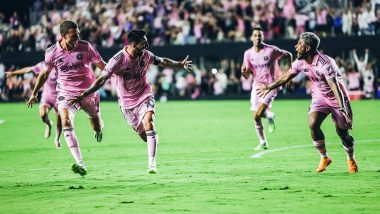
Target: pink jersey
(51, 83)
(322, 69)
(263, 63)
(130, 74)
(74, 70)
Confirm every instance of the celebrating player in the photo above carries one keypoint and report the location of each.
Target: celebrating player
(48, 99)
(261, 61)
(136, 100)
(329, 95)
(72, 58)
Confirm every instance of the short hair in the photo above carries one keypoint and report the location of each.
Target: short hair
(136, 35)
(311, 39)
(257, 28)
(66, 25)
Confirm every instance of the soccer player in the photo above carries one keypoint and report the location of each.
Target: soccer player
(329, 95)
(261, 61)
(72, 58)
(129, 66)
(48, 99)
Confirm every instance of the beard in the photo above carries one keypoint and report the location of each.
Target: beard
(139, 52)
(301, 55)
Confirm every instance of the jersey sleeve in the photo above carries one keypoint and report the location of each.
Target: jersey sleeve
(113, 64)
(296, 67)
(93, 54)
(330, 70)
(246, 59)
(153, 59)
(277, 52)
(49, 62)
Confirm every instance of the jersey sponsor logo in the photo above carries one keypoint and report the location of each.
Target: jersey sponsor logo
(261, 66)
(66, 68)
(80, 56)
(129, 76)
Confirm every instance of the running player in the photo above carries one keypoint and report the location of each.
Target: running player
(261, 62)
(329, 95)
(48, 99)
(136, 100)
(72, 58)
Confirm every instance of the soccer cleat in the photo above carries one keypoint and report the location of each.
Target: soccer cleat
(79, 169)
(48, 130)
(152, 167)
(57, 144)
(352, 166)
(99, 136)
(261, 146)
(271, 126)
(323, 164)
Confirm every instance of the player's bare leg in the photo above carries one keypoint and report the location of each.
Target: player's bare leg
(151, 139)
(67, 119)
(315, 122)
(44, 114)
(97, 125)
(58, 131)
(258, 114)
(348, 145)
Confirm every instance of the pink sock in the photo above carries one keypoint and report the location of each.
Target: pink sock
(260, 132)
(321, 147)
(72, 143)
(152, 141)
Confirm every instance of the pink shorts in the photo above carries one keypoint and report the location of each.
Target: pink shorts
(135, 115)
(256, 100)
(320, 105)
(89, 104)
(49, 101)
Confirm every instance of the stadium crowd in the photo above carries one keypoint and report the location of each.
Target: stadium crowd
(104, 23)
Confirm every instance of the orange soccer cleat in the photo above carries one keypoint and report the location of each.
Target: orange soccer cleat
(352, 166)
(323, 164)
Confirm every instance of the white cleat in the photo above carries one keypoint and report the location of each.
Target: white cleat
(261, 146)
(152, 169)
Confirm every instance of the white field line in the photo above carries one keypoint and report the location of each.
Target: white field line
(257, 155)
(260, 154)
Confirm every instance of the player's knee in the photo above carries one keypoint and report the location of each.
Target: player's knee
(148, 125)
(66, 123)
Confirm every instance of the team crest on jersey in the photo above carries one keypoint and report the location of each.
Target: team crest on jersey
(80, 56)
(266, 58)
(60, 98)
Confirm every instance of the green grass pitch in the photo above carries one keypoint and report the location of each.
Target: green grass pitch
(204, 163)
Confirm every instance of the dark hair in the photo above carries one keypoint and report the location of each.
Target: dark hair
(257, 28)
(136, 35)
(66, 26)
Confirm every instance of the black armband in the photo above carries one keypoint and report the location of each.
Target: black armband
(157, 60)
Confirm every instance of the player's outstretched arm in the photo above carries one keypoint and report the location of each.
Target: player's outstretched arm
(283, 79)
(99, 82)
(184, 64)
(41, 79)
(333, 83)
(18, 72)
